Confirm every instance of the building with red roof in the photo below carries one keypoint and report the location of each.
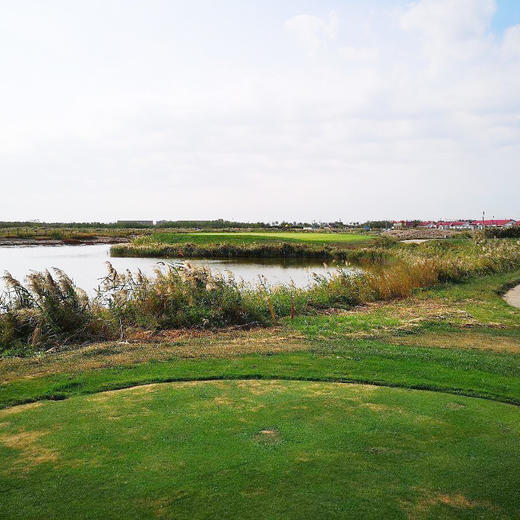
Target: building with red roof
(494, 223)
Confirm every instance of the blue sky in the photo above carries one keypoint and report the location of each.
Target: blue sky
(507, 14)
(259, 109)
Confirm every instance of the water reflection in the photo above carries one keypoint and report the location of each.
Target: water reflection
(86, 265)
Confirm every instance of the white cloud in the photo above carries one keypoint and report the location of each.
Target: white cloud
(358, 54)
(313, 32)
(374, 114)
(452, 20)
(511, 44)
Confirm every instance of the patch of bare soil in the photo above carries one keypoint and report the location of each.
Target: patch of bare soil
(269, 436)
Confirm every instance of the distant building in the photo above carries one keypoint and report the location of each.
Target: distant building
(454, 224)
(401, 224)
(480, 224)
(427, 225)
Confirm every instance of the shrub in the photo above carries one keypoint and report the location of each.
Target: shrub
(50, 310)
(511, 232)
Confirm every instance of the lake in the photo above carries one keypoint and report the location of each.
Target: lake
(86, 265)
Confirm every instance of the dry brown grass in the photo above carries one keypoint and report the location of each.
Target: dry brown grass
(424, 507)
(29, 450)
(164, 346)
(144, 346)
(458, 340)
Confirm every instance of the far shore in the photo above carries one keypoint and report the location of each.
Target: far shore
(22, 242)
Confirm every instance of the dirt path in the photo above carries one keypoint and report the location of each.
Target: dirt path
(513, 297)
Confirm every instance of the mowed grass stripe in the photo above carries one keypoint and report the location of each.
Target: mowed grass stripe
(472, 373)
(254, 237)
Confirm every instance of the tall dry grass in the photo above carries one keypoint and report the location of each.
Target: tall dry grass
(50, 310)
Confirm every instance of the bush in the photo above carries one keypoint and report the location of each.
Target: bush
(512, 232)
(50, 310)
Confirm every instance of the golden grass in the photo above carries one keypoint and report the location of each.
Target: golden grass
(163, 346)
(458, 340)
(29, 450)
(457, 502)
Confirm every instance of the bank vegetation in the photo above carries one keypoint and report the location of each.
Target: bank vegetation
(49, 310)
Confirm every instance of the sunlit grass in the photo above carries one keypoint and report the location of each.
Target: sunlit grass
(247, 238)
(260, 449)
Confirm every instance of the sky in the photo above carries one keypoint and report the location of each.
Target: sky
(259, 109)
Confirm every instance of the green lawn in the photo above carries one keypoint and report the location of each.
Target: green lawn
(405, 409)
(255, 237)
(465, 372)
(474, 305)
(269, 450)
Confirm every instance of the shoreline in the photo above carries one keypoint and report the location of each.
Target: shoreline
(29, 242)
(232, 252)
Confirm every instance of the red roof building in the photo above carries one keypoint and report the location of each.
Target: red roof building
(494, 223)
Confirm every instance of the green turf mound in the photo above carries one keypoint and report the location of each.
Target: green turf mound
(260, 449)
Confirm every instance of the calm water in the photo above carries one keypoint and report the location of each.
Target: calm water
(86, 265)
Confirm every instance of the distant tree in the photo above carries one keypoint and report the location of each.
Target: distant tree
(377, 224)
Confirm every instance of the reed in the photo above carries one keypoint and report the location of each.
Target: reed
(147, 249)
(50, 310)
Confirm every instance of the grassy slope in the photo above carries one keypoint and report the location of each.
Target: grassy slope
(491, 375)
(335, 450)
(472, 335)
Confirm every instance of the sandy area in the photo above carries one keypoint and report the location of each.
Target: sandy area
(513, 297)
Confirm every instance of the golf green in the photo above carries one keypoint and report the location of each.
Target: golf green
(260, 449)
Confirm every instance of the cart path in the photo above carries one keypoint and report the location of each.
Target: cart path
(513, 297)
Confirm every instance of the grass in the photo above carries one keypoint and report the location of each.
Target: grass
(257, 423)
(50, 310)
(254, 237)
(249, 449)
(251, 244)
(465, 372)
(469, 306)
